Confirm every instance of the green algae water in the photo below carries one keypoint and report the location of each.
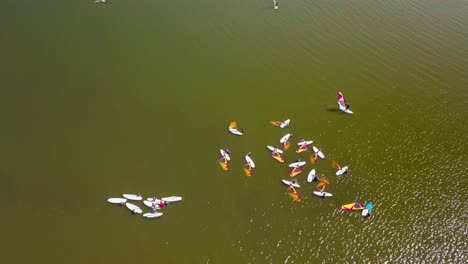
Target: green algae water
(136, 96)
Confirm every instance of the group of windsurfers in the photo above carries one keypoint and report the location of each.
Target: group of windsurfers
(297, 165)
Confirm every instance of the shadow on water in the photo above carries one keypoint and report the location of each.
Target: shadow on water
(333, 110)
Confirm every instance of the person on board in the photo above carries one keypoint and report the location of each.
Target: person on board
(162, 204)
(276, 4)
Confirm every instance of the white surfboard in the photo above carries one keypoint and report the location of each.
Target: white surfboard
(273, 148)
(152, 215)
(172, 199)
(319, 152)
(134, 197)
(117, 200)
(286, 122)
(295, 164)
(224, 154)
(236, 132)
(323, 194)
(365, 212)
(285, 138)
(248, 159)
(342, 171)
(134, 208)
(290, 183)
(303, 143)
(346, 111)
(151, 204)
(152, 199)
(311, 175)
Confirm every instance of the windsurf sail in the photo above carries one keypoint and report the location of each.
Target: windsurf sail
(342, 104)
(295, 171)
(335, 165)
(302, 148)
(276, 123)
(223, 163)
(322, 184)
(233, 125)
(286, 145)
(313, 158)
(352, 206)
(247, 169)
(277, 156)
(293, 193)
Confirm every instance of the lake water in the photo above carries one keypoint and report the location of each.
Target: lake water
(136, 96)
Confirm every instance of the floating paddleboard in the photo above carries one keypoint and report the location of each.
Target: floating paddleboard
(134, 208)
(151, 204)
(290, 183)
(236, 132)
(295, 164)
(273, 149)
(286, 122)
(152, 215)
(134, 197)
(319, 152)
(302, 143)
(311, 176)
(249, 160)
(117, 200)
(172, 199)
(224, 154)
(285, 138)
(322, 194)
(342, 171)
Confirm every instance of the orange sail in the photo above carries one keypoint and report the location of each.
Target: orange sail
(233, 125)
(313, 158)
(276, 123)
(247, 169)
(302, 148)
(224, 165)
(294, 194)
(295, 171)
(286, 145)
(277, 156)
(223, 162)
(335, 165)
